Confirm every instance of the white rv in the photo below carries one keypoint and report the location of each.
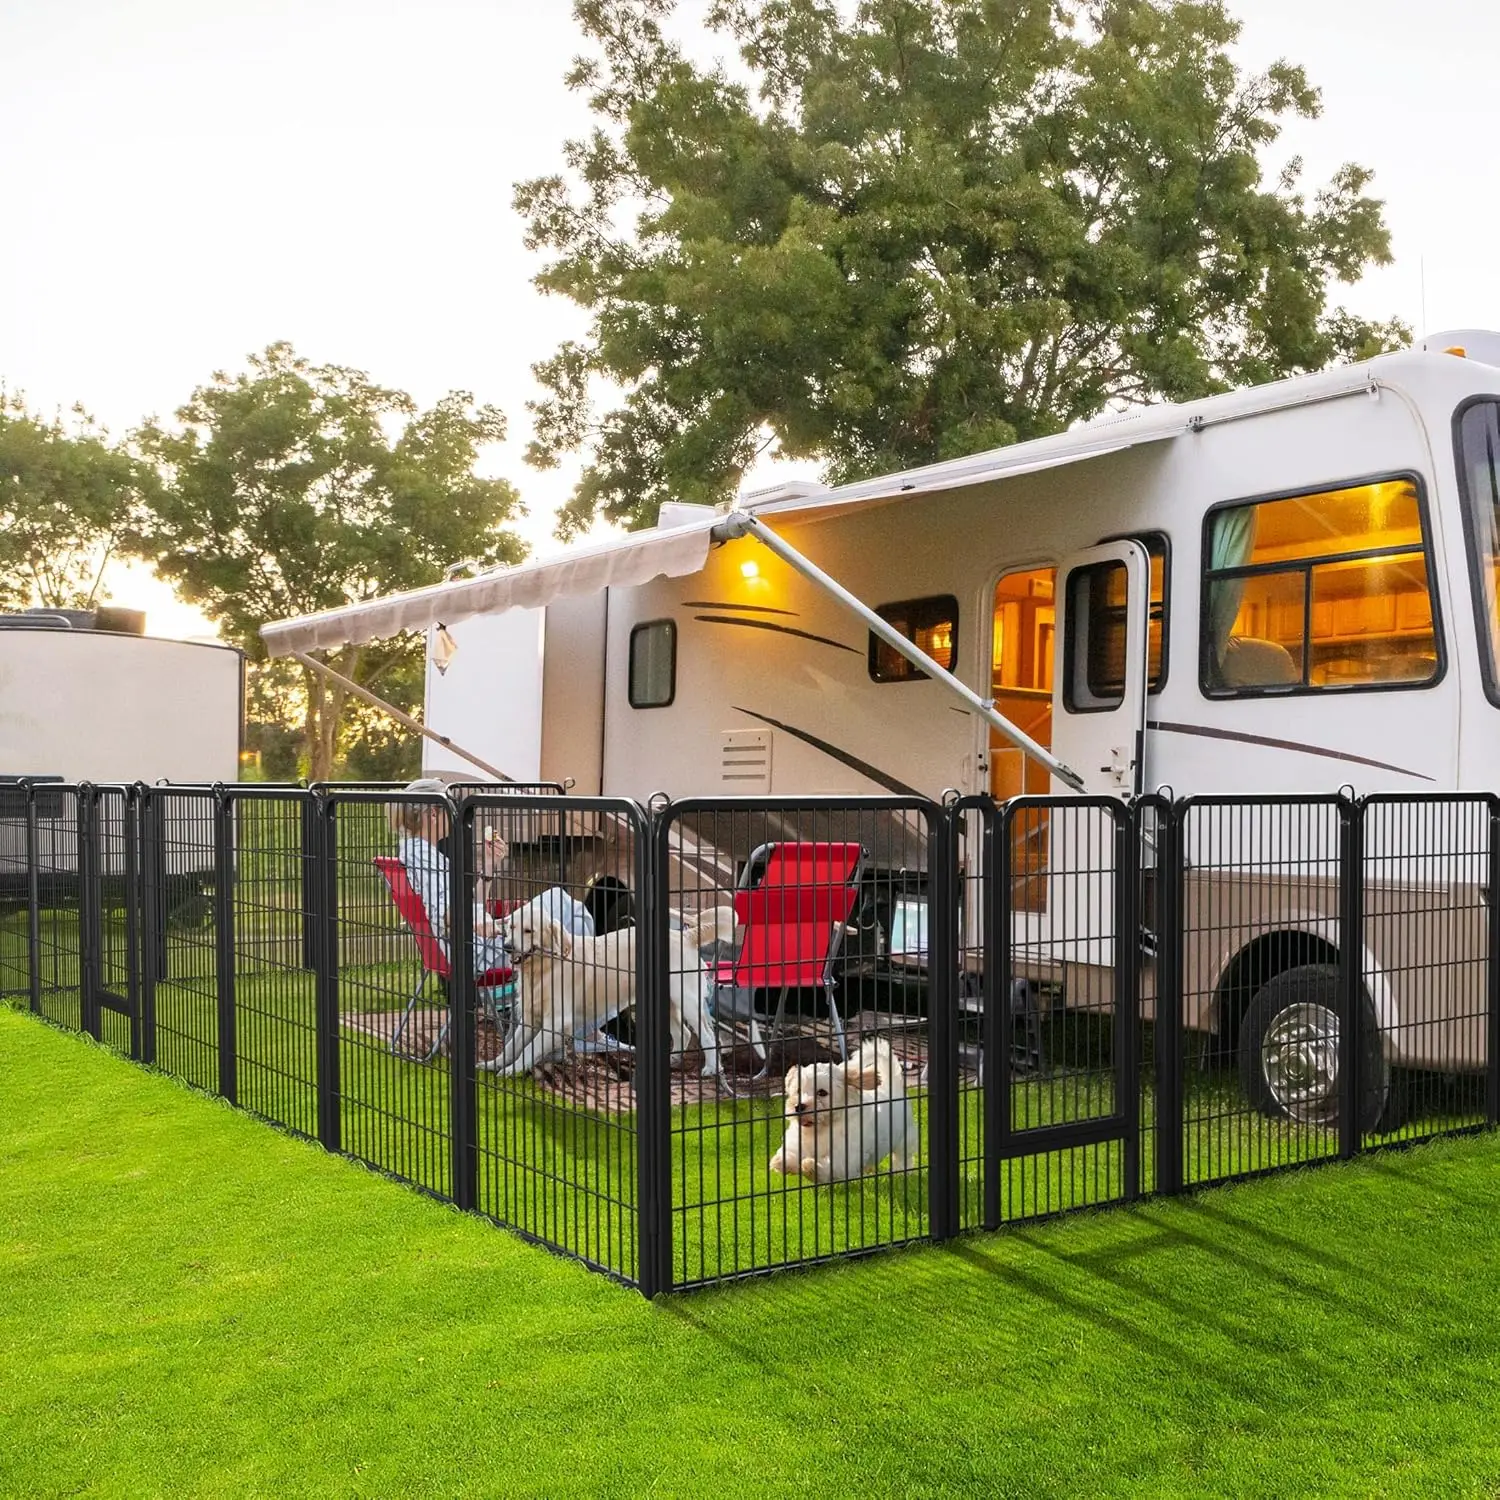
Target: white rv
(1286, 590)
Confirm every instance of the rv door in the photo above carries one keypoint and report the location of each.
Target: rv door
(1099, 685)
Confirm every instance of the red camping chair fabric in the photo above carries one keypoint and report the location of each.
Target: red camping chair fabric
(793, 917)
(430, 950)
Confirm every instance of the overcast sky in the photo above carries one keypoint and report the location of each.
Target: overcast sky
(187, 180)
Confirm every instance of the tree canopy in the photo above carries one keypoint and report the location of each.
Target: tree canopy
(293, 487)
(67, 496)
(920, 230)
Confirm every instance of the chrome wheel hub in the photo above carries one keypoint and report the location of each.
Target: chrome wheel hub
(1299, 1059)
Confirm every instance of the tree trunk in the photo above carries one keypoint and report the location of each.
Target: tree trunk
(326, 702)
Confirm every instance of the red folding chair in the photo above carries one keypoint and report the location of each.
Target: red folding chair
(491, 984)
(793, 917)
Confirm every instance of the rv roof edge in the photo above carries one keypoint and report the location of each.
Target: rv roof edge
(745, 523)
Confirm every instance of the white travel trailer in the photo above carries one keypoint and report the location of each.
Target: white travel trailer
(1281, 590)
(87, 696)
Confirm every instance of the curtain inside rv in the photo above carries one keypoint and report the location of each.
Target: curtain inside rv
(1231, 544)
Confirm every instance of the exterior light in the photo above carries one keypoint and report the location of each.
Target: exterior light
(750, 569)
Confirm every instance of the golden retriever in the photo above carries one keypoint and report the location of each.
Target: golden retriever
(844, 1118)
(568, 985)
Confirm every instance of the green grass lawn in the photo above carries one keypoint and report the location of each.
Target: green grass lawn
(194, 1304)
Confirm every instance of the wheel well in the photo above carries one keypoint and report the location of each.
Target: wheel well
(1255, 965)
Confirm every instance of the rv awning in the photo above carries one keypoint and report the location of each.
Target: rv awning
(672, 553)
(1076, 447)
(677, 551)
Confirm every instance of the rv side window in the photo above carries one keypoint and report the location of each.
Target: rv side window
(1318, 592)
(1096, 637)
(653, 664)
(1106, 635)
(1478, 431)
(930, 624)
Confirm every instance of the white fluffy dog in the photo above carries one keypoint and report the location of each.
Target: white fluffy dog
(572, 984)
(844, 1118)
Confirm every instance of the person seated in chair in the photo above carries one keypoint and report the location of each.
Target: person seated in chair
(421, 830)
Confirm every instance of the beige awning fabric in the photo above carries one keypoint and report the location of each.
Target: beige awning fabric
(677, 551)
(1075, 447)
(621, 561)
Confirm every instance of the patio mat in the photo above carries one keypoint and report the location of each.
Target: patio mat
(602, 1081)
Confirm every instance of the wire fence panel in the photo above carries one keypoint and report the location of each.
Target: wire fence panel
(1426, 964)
(390, 991)
(111, 912)
(1265, 982)
(1064, 1097)
(17, 861)
(275, 983)
(800, 1123)
(734, 1035)
(182, 949)
(58, 985)
(553, 888)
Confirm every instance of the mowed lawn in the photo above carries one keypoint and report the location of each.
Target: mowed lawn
(194, 1303)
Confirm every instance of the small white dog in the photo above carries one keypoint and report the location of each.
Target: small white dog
(844, 1118)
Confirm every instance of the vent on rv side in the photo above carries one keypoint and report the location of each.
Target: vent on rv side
(745, 762)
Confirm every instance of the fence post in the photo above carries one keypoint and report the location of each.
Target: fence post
(653, 1082)
(130, 829)
(312, 875)
(1492, 972)
(148, 954)
(942, 1062)
(33, 901)
(998, 1021)
(89, 904)
(462, 1091)
(1351, 945)
(322, 918)
(1170, 895)
(224, 940)
(1127, 979)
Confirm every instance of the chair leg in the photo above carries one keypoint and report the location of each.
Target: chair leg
(411, 1005)
(838, 1024)
(772, 1032)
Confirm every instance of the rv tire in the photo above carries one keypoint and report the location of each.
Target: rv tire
(1289, 1051)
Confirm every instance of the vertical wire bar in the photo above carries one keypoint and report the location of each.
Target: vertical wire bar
(462, 1086)
(322, 920)
(33, 903)
(223, 826)
(148, 952)
(942, 1099)
(653, 1081)
(1171, 1124)
(1351, 941)
(1492, 970)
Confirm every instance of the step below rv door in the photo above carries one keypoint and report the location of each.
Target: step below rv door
(1099, 676)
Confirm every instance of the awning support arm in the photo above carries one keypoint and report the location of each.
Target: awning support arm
(349, 685)
(744, 523)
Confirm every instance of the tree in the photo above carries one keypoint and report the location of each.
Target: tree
(933, 228)
(294, 487)
(66, 498)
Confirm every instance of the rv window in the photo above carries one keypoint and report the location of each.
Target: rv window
(1109, 622)
(930, 624)
(1317, 592)
(653, 664)
(1096, 637)
(1479, 478)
